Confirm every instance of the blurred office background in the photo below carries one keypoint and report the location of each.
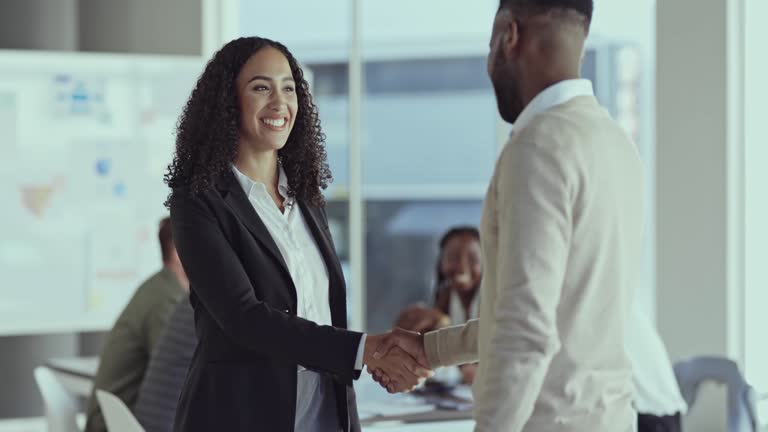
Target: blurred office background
(90, 91)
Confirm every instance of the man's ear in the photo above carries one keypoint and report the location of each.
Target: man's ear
(510, 37)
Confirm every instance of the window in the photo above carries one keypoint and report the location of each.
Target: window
(430, 129)
(755, 202)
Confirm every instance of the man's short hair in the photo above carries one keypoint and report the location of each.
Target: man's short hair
(165, 236)
(536, 7)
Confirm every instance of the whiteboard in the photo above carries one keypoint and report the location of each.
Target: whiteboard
(84, 142)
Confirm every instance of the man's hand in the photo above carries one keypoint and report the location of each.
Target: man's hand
(397, 343)
(396, 366)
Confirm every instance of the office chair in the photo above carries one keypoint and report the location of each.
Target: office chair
(742, 410)
(60, 405)
(117, 416)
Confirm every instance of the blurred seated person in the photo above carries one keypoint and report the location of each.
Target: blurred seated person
(457, 282)
(132, 339)
(458, 274)
(160, 391)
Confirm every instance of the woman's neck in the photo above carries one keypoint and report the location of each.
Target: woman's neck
(259, 166)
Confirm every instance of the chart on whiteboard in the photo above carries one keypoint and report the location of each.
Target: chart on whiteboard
(84, 143)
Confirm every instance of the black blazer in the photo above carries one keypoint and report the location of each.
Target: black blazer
(243, 372)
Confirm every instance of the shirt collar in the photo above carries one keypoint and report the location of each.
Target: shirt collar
(248, 185)
(552, 96)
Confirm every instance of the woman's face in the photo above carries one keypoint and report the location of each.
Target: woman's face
(460, 263)
(268, 101)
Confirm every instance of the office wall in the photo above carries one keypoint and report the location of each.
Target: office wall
(141, 26)
(756, 204)
(19, 356)
(135, 26)
(28, 25)
(39, 24)
(698, 235)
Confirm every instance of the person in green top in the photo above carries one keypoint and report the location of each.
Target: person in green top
(128, 346)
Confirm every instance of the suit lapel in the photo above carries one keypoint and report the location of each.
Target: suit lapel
(336, 295)
(235, 197)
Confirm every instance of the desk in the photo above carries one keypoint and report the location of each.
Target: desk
(448, 426)
(75, 373)
(438, 420)
(415, 411)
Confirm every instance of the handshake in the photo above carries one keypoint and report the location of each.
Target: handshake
(397, 359)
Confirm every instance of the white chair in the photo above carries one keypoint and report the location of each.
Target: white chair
(60, 405)
(117, 416)
(742, 409)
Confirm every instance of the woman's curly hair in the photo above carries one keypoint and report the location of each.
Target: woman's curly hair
(208, 130)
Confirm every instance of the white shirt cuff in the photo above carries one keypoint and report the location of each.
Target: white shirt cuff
(360, 352)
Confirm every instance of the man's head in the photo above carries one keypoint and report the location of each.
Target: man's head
(534, 44)
(171, 259)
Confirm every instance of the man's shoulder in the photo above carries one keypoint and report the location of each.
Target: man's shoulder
(544, 138)
(576, 117)
(159, 289)
(161, 284)
(564, 131)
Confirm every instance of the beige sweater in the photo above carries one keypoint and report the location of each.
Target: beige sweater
(561, 237)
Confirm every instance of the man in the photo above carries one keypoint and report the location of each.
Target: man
(161, 388)
(561, 237)
(129, 344)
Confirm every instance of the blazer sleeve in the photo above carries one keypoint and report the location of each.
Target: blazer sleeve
(532, 192)
(220, 282)
(452, 346)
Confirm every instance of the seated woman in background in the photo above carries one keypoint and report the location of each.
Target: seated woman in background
(457, 280)
(458, 274)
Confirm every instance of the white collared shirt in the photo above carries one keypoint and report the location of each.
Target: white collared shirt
(315, 400)
(456, 309)
(551, 96)
(293, 238)
(656, 389)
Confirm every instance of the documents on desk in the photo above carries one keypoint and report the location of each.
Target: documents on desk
(373, 401)
(403, 404)
(375, 404)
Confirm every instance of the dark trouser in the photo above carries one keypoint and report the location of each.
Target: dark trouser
(652, 423)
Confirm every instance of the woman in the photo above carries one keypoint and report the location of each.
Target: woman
(252, 233)
(458, 274)
(457, 278)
